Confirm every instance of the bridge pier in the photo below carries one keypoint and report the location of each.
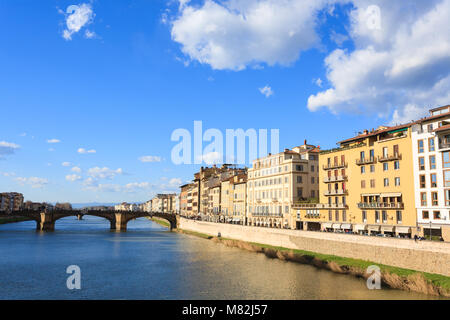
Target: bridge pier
(80, 217)
(121, 222)
(46, 222)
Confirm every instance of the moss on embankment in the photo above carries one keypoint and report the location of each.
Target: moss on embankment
(393, 277)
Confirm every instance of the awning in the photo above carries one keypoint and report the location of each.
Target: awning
(369, 194)
(387, 228)
(427, 226)
(374, 228)
(336, 226)
(403, 229)
(359, 227)
(346, 226)
(392, 194)
(327, 225)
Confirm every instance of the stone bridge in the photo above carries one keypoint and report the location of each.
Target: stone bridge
(45, 220)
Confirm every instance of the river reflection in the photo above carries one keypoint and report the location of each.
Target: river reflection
(147, 262)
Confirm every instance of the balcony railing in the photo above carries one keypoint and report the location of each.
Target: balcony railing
(329, 166)
(381, 205)
(444, 145)
(297, 205)
(335, 192)
(364, 161)
(396, 156)
(334, 179)
(267, 214)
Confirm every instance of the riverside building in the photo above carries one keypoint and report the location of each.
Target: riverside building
(366, 185)
(431, 156)
(277, 182)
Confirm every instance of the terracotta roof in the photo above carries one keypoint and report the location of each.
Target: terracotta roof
(440, 108)
(377, 132)
(433, 117)
(443, 128)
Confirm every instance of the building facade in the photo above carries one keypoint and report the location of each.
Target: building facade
(277, 182)
(431, 156)
(366, 185)
(11, 201)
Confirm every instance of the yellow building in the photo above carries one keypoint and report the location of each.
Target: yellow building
(366, 186)
(239, 198)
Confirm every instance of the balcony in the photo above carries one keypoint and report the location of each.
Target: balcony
(267, 214)
(381, 205)
(397, 156)
(444, 145)
(364, 161)
(300, 205)
(334, 179)
(336, 192)
(330, 166)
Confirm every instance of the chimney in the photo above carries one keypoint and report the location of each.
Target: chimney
(286, 150)
(366, 131)
(305, 142)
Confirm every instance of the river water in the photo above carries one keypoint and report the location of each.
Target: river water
(148, 262)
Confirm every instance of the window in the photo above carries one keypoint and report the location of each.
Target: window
(363, 184)
(372, 168)
(437, 215)
(395, 149)
(299, 167)
(384, 214)
(330, 215)
(434, 198)
(337, 215)
(363, 169)
(399, 216)
(423, 199)
(420, 146)
(372, 154)
(430, 127)
(312, 180)
(421, 163)
(447, 197)
(312, 168)
(425, 215)
(433, 180)
(385, 166)
(431, 146)
(422, 181)
(446, 159)
(344, 215)
(377, 216)
(299, 179)
(361, 155)
(372, 183)
(447, 178)
(300, 192)
(286, 209)
(397, 181)
(396, 165)
(432, 162)
(364, 216)
(386, 182)
(385, 152)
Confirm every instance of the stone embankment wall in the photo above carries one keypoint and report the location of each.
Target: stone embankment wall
(432, 257)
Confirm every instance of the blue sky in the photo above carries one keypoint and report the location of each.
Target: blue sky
(118, 77)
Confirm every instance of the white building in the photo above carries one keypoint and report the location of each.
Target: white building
(431, 160)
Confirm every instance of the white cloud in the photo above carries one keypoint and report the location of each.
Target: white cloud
(267, 91)
(7, 148)
(210, 158)
(104, 173)
(240, 33)
(76, 169)
(73, 177)
(34, 182)
(90, 34)
(66, 164)
(401, 68)
(53, 141)
(318, 82)
(150, 159)
(84, 151)
(77, 16)
(7, 174)
(136, 186)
